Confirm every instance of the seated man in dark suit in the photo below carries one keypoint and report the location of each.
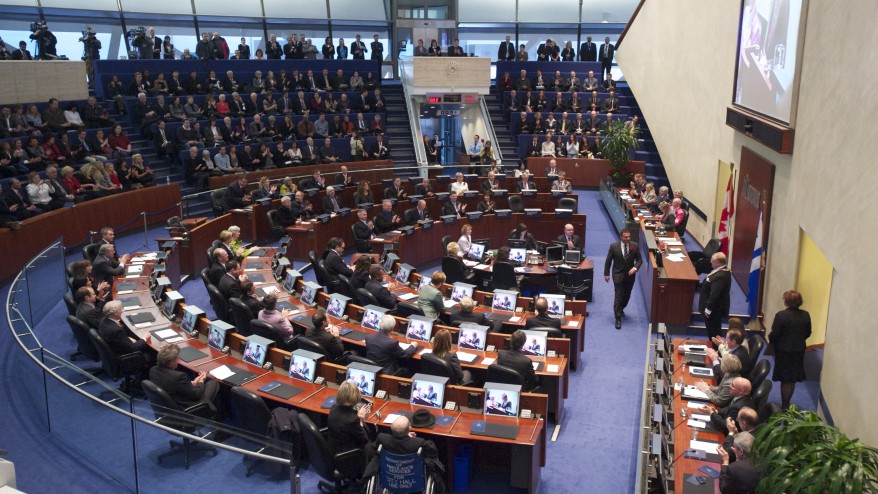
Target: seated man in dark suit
(401, 441)
(742, 475)
(286, 215)
(520, 233)
(740, 389)
(379, 150)
(396, 190)
(331, 203)
(453, 207)
(302, 208)
(734, 345)
(344, 179)
(182, 390)
(542, 319)
(515, 359)
(106, 267)
(310, 153)
(363, 231)
(236, 193)
(570, 240)
(250, 299)
(315, 181)
(525, 183)
(335, 264)
(746, 422)
(217, 268)
(120, 339)
(86, 308)
(425, 189)
(384, 350)
(326, 336)
(387, 220)
(374, 286)
(417, 213)
(230, 283)
(466, 314)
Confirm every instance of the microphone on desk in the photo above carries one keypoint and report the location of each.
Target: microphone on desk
(681, 454)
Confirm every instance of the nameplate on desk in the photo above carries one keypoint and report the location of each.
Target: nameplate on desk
(558, 193)
(449, 218)
(443, 179)
(322, 218)
(311, 192)
(474, 215)
(264, 201)
(442, 196)
(529, 192)
(407, 230)
(426, 224)
(499, 192)
(533, 212)
(503, 213)
(365, 205)
(563, 213)
(415, 198)
(344, 212)
(470, 194)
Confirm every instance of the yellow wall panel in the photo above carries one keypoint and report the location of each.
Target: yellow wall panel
(814, 282)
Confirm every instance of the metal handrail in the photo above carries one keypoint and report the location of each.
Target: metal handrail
(414, 117)
(489, 130)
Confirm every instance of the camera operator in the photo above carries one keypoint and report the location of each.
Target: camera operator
(46, 41)
(91, 51)
(4, 54)
(140, 43)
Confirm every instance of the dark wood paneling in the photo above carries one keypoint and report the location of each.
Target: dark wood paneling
(755, 186)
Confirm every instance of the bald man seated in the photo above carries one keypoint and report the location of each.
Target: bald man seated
(402, 441)
(570, 239)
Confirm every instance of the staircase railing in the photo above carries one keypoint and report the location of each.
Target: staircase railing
(489, 129)
(405, 67)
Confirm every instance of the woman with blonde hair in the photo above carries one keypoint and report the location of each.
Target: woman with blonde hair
(347, 420)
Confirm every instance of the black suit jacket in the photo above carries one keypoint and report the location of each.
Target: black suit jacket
(235, 196)
(230, 287)
(588, 52)
(740, 477)
(385, 298)
(506, 51)
(606, 56)
(542, 321)
(790, 329)
(577, 243)
(345, 431)
(116, 337)
(332, 345)
(386, 352)
(88, 314)
(362, 235)
(412, 216)
(718, 418)
(106, 270)
(335, 265)
(449, 209)
(215, 273)
(178, 385)
(520, 362)
(474, 317)
(714, 294)
(739, 352)
(620, 264)
(327, 204)
(340, 180)
(286, 216)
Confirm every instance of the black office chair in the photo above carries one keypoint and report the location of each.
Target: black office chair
(169, 413)
(305, 343)
(342, 285)
(568, 203)
(768, 410)
(323, 273)
(277, 230)
(365, 297)
(363, 246)
(550, 332)
(573, 282)
(90, 251)
(701, 260)
(445, 241)
(84, 345)
(408, 309)
(435, 366)
(70, 303)
(69, 269)
(265, 330)
(118, 366)
(219, 304)
(501, 374)
(454, 271)
(204, 278)
(681, 228)
(760, 395)
(241, 316)
(516, 204)
(361, 360)
(253, 415)
(336, 468)
(757, 345)
(218, 202)
(210, 254)
(760, 372)
(503, 276)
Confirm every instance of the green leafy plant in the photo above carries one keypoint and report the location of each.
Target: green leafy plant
(616, 148)
(799, 453)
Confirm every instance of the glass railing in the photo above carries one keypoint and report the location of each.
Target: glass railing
(122, 435)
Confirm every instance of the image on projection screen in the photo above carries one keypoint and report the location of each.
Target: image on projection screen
(767, 56)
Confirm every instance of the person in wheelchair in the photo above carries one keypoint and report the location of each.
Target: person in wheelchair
(402, 441)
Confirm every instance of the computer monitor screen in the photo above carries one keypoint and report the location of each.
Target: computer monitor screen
(190, 317)
(428, 391)
(420, 328)
(256, 351)
(516, 243)
(337, 305)
(556, 305)
(402, 275)
(372, 316)
(161, 284)
(363, 377)
(171, 302)
(309, 292)
(476, 252)
(290, 280)
(504, 300)
(282, 264)
(518, 255)
(389, 259)
(502, 399)
(573, 257)
(534, 343)
(216, 337)
(554, 253)
(303, 365)
(472, 337)
(425, 280)
(461, 290)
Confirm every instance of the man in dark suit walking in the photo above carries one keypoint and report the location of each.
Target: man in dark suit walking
(588, 51)
(624, 257)
(606, 59)
(714, 298)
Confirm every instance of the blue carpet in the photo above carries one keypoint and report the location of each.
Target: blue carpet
(601, 413)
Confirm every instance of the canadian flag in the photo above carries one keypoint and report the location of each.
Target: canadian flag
(725, 222)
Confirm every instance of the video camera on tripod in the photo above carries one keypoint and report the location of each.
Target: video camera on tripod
(45, 40)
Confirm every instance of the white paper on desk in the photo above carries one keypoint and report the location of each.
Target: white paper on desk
(407, 295)
(514, 318)
(481, 266)
(144, 324)
(130, 308)
(695, 404)
(270, 289)
(675, 257)
(467, 357)
(535, 364)
(404, 346)
(175, 339)
(520, 270)
(553, 368)
(166, 333)
(135, 269)
(222, 372)
(449, 303)
(131, 276)
(703, 372)
(306, 222)
(137, 262)
(693, 392)
(396, 232)
(696, 423)
(426, 350)
(703, 446)
(674, 242)
(698, 416)
(573, 324)
(125, 292)
(390, 418)
(252, 269)
(470, 264)
(488, 360)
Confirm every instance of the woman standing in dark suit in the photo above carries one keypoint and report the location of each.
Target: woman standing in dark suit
(347, 420)
(790, 329)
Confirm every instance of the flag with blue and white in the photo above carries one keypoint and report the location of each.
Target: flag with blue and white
(756, 265)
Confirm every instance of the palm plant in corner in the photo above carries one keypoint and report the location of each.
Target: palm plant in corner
(800, 453)
(617, 148)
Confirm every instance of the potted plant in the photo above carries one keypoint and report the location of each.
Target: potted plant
(617, 147)
(798, 452)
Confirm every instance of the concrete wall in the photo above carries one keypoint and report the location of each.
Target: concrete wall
(28, 81)
(679, 58)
